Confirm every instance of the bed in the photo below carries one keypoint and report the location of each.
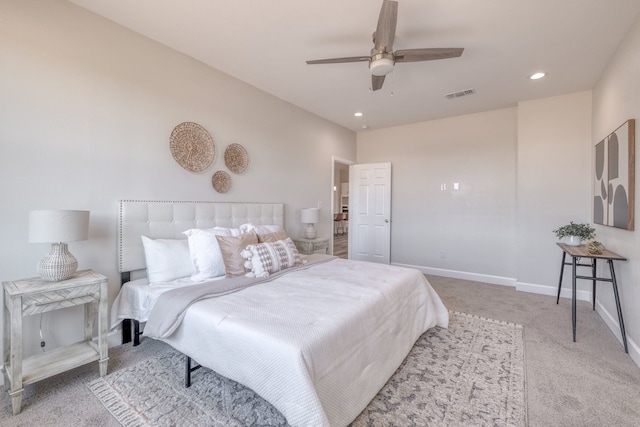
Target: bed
(317, 340)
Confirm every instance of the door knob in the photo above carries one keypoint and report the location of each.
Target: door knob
(386, 220)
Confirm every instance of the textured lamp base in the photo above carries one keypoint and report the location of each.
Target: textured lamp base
(310, 232)
(58, 265)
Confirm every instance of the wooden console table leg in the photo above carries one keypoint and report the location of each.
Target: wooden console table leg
(618, 306)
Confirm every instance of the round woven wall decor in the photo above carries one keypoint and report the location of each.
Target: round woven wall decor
(236, 158)
(192, 146)
(221, 181)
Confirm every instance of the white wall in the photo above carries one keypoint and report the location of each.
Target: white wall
(86, 110)
(470, 230)
(616, 98)
(523, 172)
(554, 184)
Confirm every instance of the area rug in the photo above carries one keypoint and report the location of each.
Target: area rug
(471, 374)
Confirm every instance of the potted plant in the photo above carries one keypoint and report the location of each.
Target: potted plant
(574, 233)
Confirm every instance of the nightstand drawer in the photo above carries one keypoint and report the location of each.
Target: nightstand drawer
(57, 299)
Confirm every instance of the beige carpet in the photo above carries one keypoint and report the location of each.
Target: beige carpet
(591, 382)
(588, 383)
(467, 375)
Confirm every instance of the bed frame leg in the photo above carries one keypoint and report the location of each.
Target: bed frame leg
(187, 371)
(136, 333)
(126, 331)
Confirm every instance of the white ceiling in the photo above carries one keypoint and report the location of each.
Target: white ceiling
(266, 43)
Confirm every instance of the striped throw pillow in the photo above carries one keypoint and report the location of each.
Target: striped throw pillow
(270, 257)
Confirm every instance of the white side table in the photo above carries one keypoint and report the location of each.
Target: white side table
(34, 296)
(311, 246)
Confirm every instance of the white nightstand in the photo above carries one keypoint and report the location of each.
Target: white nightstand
(34, 296)
(312, 246)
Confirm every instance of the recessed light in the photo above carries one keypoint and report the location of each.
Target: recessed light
(537, 76)
(358, 114)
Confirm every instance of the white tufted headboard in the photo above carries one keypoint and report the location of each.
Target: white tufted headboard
(168, 219)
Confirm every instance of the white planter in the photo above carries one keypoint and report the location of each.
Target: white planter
(573, 240)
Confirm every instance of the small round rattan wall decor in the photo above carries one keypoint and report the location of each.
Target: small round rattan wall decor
(192, 147)
(221, 181)
(236, 158)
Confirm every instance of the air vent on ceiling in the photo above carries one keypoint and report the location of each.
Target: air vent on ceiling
(460, 93)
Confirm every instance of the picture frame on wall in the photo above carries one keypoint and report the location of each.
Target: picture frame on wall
(614, 178)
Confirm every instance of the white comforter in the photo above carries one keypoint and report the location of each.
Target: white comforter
(317, 343)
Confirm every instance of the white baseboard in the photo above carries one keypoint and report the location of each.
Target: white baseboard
(583, 295)
(485, 278)
(611, 320)
(114, 338)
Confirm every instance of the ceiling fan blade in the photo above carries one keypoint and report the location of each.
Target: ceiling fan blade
(376, 82)
(339, 60)
(427, 54)
(386, 31)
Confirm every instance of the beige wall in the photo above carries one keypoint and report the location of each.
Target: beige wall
(449, 232)
(554, 184)
(86, 110)
(616, 99)
(522, 172)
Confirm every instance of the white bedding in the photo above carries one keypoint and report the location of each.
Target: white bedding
(317, 343)
(137, 298)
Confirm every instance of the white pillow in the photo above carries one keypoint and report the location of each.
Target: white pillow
(167, 259)
(205, 251)
(260, 229)
(270, 257)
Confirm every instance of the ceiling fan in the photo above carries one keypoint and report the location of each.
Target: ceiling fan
(382, 58)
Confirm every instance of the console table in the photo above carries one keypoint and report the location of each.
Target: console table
(577, 252)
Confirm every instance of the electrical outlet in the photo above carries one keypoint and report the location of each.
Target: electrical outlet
(443, 254)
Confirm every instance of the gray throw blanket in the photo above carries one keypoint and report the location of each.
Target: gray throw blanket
(171, 306)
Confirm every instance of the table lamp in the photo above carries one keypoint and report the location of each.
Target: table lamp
(57, 227)
(310, 216)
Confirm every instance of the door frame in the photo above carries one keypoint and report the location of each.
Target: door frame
(334, 184)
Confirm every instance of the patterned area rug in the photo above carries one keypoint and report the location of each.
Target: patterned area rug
(471, 374)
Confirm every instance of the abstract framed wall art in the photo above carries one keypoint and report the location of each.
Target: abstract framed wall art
(614, 178)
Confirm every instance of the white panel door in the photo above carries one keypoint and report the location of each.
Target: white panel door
(370, 212)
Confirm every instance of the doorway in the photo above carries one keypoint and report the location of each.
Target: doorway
(340, 207)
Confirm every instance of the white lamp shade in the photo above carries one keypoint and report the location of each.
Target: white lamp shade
(58, 226)
(310, 215)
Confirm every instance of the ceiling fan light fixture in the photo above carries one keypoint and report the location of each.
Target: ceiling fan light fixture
(381, 66)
